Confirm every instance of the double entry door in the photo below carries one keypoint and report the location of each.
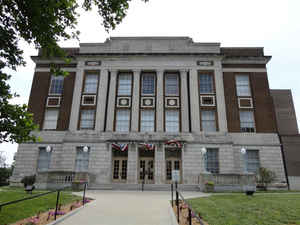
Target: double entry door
(172, 164)
(146, 170)
(120, 169)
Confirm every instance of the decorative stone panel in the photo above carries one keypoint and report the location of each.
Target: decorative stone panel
(88, 100)
(123, 102)
(245, 103)
(53, 101)
(172, 102)
(147, 102)
(207, 100)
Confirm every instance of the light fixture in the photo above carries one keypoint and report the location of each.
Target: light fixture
(85, 148)
(48, 148)
(243, 150)
(203, 150)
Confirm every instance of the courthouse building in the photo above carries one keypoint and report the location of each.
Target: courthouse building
(135, 106)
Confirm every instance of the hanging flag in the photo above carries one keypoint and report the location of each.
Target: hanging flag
(150, 147)
(174, 143)
(120, 147)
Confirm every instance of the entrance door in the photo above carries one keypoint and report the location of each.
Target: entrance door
(147, 166)
(119, 169)
(172, 164)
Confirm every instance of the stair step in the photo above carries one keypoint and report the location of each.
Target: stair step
(147, 187)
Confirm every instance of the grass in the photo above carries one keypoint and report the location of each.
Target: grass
(237, 209)
(28, 208)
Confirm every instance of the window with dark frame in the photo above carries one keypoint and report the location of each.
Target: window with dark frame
(252, 161)
(148, 84)
(171, 84)
(147, 120)
(206, 84)
(212, 160)
(208, 120)
(87, 119)
(171, 120)
(56, 86)
(44, 159)
(124, 84)
(91, 83)
(82, 160)
(50, 120)
(247, 122)
(123, 120)
(242, 85)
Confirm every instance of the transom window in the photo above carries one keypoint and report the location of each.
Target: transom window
(148, 84)
(252, 161)
(212, 160)
(208, 121)
(56, 86)
(206, 84)
(50, 121)
(123, 120)
(82, 160)
(172, 120)
(247, 121)
(87, 119)
(124, 87)
(242, 85)
(147, 120)
(171, 84)
(91, 83)
(43, 159)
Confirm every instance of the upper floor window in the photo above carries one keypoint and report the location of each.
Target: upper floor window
(50, 120)
(124, 87)
(242, 85)
(147, 120)
(208, 120)
(123, 120)
(171, 84)
(82, 160)
(87, 119)
(247, 121)
(56, 86)
(43, 159)
(212, 163)
(91, 83)
(172, 120)
(148, 84)
(206, 84)
(252, 161)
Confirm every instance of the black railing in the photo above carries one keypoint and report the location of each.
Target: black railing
(191, 212)
(42, 194)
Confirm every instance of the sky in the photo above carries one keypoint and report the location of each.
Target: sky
(272, 24)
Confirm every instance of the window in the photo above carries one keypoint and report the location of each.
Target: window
(242, 85)
(172, 121)
(147, 120)
(91, 83)
(43, 159)
(87, 119)
(252, 161)
(50, 121)
(57, 83)
(206, 84)
(247, 121)
(124, 87)
(208, 121)
(171, 84)
(148, 84)
(123, 120)
(82, 160)
(212, 160)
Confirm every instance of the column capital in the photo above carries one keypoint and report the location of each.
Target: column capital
(182, 71)
(113, 71)
(136, 71)
(160, 71)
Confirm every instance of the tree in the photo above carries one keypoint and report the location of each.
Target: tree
(42, 23)
(265, 177)
(2, 159)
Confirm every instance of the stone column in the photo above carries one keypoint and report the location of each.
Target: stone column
(159, 164)
(194, 99)
(220, 96)
(184, 102)
(160, 102)
(76, 97)
(101, 100)
(111, 101)
(135, 101)
(132, 170)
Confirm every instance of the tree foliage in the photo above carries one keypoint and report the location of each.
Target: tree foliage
(265, 177)
(42, 23)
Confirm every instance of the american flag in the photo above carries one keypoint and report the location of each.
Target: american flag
(148, 146)
(174, 142)
(121, 147)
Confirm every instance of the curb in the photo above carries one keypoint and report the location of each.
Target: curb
(60, 219)
(173, 218)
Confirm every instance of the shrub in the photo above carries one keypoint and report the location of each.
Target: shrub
(28, 180)
(265, 177)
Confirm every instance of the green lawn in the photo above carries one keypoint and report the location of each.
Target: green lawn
(239, 209)
(21, 210)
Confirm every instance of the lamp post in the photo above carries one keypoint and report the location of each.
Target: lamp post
(48, 148)
(85, 148)
(243, 152)
(204, 157)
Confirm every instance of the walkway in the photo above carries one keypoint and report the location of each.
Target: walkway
(126, 208)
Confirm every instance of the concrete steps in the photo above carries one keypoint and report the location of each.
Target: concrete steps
(147, 187)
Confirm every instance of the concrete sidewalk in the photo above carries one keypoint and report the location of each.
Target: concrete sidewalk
(127, 208)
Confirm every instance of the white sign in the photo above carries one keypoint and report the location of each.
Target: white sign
(176, 175)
